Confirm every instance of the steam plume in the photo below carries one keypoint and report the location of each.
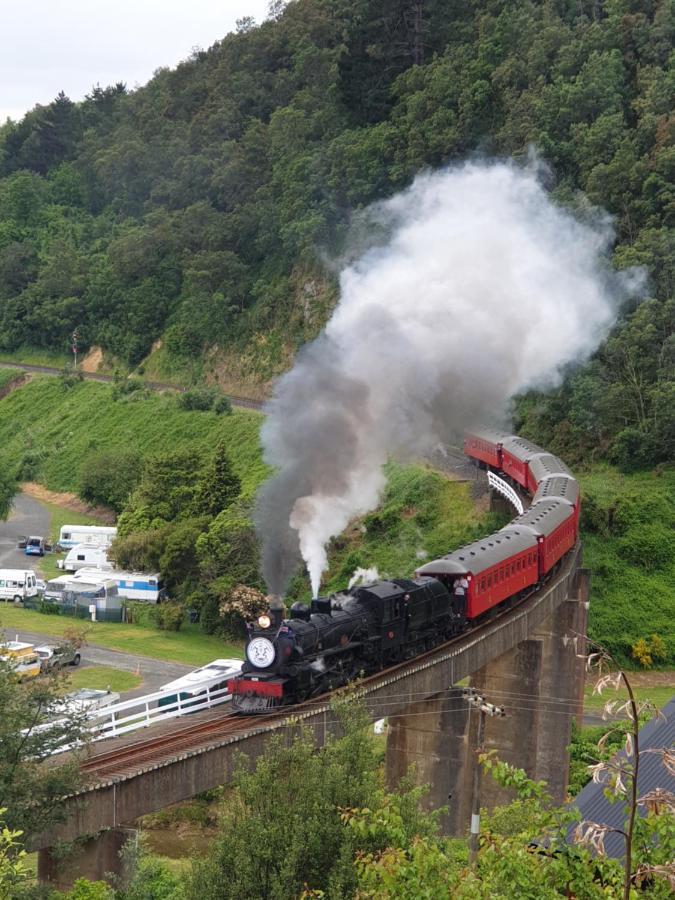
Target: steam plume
(483, 289)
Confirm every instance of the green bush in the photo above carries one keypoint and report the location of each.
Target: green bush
(199, 399)
(169, 616)
(109, 477)
(222, 406)
(633, 450)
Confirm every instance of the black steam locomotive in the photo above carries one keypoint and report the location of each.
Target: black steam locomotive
(351, 633)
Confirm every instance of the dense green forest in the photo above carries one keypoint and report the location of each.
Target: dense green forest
(201, 208)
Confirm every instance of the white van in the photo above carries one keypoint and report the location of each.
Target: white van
(101, 535)
(90, 555)
(17, 584)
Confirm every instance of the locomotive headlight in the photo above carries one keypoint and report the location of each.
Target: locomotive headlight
(260, 652)
(264, 621)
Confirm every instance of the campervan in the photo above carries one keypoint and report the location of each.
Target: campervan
(85, 555)
(71, 535)
(17, 584)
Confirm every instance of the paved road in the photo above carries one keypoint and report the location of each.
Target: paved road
(28, 516)
(154, 672)
(152, 385)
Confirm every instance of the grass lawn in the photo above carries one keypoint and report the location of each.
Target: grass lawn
(102, 678)
(189, 645)
(658, 694)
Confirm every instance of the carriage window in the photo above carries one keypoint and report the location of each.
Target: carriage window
(489, 580)
(482, 584)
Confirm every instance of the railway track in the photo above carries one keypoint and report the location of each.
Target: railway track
(243, 402)
(131, 758)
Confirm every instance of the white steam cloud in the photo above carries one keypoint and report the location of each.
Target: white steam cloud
(483, 288)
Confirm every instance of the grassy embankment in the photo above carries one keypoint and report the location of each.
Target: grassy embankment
(37, 356)
(8, 375)
(629, 545)
(48, 428)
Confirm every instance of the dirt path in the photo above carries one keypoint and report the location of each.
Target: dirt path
(68, 501)
(15, 383)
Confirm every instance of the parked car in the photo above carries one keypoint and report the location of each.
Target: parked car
(36, 545)
(57, 656)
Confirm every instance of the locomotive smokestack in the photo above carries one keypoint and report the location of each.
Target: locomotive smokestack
(277, 610)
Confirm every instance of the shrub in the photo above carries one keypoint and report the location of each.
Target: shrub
(240, 605)
(126, 386)
(633, 450)
(169, 616)
(222, 406)
(200, 399)
(646, 650)
(109, 477)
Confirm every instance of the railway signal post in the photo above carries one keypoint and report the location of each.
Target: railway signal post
(476, 701)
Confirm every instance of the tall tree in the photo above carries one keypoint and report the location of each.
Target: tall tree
(219, 485)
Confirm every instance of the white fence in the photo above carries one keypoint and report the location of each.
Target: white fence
(499, 485)
(141, 712)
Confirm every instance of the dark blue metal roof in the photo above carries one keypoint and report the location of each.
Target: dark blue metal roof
(595, 807)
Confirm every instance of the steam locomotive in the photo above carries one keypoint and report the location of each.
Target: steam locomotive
(359, 631)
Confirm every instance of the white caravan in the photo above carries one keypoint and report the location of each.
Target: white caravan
(17, 584)
(145, 586)
(91, 555)
(71, 535)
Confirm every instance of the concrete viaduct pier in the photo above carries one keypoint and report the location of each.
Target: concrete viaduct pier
(539, 681)
(523, 659)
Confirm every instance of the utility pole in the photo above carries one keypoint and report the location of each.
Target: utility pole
(75, 337)
(484, 708)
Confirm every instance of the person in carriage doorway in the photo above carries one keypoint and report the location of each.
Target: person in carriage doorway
(460, 590)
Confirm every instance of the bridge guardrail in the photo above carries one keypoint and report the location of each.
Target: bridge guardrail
(141, 712)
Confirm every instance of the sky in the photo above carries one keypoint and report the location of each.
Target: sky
(70, 45)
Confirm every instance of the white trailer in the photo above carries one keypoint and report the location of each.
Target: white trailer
(17, 584)
(71, 535)
(145, 586)
(85, 555)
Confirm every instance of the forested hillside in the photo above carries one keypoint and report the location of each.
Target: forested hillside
(201, 209)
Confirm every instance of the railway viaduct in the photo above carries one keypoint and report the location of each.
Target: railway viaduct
(524, 659)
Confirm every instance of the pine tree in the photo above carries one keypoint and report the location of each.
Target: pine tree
(219, 486)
